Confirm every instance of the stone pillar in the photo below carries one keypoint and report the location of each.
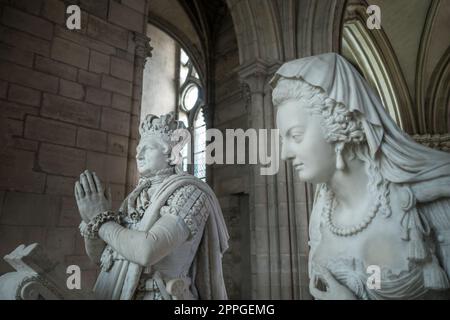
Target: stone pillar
(278, 206)
(255, 78)
(268, 32)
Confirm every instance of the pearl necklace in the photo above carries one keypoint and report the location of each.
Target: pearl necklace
(348, 231)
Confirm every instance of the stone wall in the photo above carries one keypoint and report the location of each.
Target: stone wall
(69, 101)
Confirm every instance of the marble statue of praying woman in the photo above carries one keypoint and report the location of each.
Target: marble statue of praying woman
(168, 237)
(380, 225)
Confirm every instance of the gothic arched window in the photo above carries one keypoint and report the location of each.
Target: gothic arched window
(190, 111)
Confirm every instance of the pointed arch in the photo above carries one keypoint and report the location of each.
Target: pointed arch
(372, 54)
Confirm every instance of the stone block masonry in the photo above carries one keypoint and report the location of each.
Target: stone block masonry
(65, 105)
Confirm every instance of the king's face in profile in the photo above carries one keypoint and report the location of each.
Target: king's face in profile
(151, 156)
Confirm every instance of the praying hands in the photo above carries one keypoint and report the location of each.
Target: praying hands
(91, 197)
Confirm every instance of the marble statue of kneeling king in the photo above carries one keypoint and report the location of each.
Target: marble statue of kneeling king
(168, 237)
(382, 203)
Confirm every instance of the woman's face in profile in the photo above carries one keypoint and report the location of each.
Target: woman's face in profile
(150, 156)
(303, 142)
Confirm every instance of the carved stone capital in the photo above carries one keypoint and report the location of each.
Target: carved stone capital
(355, 10)
(208, 116)
(143, 47)
(256, 74)
(435, 141)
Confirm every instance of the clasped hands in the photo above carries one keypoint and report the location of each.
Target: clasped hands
(91, 197)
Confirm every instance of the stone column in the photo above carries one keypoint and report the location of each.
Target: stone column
(278, 206)
(268, 32)
(255, 79)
